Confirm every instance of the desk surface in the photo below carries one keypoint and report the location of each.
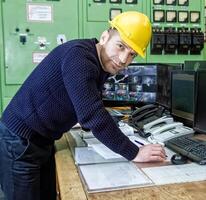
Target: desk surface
(71, 188)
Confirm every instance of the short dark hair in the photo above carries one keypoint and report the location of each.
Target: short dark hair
(112, 31)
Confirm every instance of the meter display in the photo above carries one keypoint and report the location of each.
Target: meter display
(171, 2)
(115, 1)
(183, 16)
(159, 16)
(131, 1)
(183, 2)
(158, 2)
(99, 1)
(171, 16)
(194, 17)
(114, 12)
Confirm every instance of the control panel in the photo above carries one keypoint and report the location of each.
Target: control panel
(38, 26)
(28, 34)
(178, 30)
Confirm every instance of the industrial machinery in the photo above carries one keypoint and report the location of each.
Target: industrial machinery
(29, 34)
(38, 26)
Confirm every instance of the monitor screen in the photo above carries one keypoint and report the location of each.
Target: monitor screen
(163, 84)
(182, 94)
(200, 99)
(135, 84)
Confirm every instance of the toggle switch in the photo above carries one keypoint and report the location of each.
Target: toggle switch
(22, 39)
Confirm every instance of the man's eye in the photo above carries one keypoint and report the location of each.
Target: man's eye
(133, 55)
(120, 46)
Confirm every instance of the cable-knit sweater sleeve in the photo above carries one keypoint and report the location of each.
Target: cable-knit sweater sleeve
(80, 75)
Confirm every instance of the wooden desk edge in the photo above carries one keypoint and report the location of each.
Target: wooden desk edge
(70, 186)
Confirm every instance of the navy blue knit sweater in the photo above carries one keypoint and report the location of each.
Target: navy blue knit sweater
(62, 90)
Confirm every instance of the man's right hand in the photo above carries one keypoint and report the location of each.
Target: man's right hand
(150, 153)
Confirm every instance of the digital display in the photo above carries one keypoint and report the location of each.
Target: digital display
(135, 84)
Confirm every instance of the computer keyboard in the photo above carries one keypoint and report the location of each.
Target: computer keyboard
(192, 148)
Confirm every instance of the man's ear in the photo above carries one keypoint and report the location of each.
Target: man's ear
(104, 37)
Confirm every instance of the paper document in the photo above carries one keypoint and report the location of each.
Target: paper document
(176, 173)
(104, 151)
(87, 155)
(86, 134)
(125, 128)
(91, 141)
(111, 176)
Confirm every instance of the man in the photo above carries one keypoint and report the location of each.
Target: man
(65, 89)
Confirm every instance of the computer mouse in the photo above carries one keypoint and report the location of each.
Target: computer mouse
(178, 159)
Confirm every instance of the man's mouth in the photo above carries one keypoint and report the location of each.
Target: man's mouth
(117, 66)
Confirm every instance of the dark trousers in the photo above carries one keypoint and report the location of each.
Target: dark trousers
(27, 168)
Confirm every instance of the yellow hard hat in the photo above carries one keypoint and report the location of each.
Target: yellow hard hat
(135, 30)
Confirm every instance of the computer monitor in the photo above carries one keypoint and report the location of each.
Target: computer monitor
(163, 83)
(133, 86)
(200, 99)
(182, 95)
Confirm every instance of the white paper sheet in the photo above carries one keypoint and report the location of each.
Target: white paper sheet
(105, 151)
(176, 173)
(109, 176)
(87, 155)
(125, 128)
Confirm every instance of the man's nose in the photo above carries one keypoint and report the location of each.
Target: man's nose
(123, 57)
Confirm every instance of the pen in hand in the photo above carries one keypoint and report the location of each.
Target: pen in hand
(138, 142)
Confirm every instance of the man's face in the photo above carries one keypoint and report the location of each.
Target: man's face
(114, 54)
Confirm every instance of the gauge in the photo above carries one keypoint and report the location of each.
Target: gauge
(170, 2)
(194, 17)
(158, 2)
(114, 12)
(99, 1)
(183, 2)
(158, 16)
(131, 1)
(115, 1)
(171, 16)
(183, 16)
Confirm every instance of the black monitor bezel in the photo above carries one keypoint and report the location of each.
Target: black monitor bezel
(171, 65)
(198, 130)
(186, 120)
